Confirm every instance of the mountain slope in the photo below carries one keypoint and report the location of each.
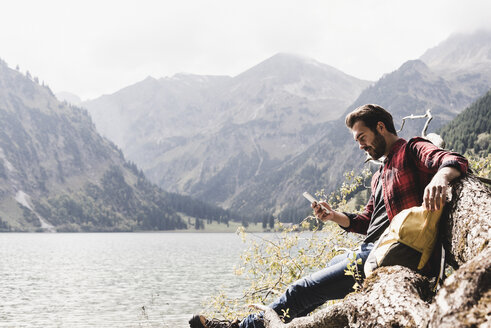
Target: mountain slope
(69, 98)
(57, 173)
(461, 52)
(152, 110)
(464, 60)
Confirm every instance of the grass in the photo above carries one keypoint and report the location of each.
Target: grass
(221, 227)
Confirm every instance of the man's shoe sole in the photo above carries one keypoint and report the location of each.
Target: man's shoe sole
(195, 322)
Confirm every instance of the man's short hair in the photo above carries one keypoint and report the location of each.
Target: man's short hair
(370, 115)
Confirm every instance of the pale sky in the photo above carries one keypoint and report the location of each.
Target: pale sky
(91, 48)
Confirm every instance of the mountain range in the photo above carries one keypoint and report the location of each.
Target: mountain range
(58, 174)
(208, 136)
(255, 141)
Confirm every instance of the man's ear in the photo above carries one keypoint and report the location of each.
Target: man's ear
(380, 127)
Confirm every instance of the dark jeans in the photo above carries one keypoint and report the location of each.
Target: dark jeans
(306, 294)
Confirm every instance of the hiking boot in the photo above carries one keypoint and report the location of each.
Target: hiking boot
(199, 321)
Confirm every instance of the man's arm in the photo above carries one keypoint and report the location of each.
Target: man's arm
(445, 166)
(435, 193)
(429, 158)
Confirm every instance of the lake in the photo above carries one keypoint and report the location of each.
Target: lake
(112, 279)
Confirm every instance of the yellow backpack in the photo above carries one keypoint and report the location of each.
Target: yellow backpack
(408, 240)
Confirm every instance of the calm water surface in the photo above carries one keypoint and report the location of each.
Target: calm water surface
(112, 280)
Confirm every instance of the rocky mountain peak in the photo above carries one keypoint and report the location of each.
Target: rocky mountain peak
(287, 67)
(415, 64)
(410, 69)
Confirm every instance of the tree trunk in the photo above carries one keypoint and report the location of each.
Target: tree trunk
(399, 297)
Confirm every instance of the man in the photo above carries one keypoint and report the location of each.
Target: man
(413, 173)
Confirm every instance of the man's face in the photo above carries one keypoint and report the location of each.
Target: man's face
(371, 142)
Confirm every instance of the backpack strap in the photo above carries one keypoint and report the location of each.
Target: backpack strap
(439, 280)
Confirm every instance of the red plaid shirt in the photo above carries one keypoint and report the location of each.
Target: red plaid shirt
(407, 170)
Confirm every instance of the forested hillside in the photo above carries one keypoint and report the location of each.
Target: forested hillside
(471, 129)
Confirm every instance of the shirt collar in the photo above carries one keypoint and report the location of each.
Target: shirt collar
(395, 148)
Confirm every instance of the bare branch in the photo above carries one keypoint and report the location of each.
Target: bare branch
(412, 116)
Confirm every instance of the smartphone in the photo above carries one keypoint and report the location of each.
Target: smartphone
(311, 199)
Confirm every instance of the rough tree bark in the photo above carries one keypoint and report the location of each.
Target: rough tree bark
(399, 297)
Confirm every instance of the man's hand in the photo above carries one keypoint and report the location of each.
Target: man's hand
(435, 193)
(323, 215)
(320, 211)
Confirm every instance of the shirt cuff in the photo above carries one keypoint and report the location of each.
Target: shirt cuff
(452, 163)
(350, 216)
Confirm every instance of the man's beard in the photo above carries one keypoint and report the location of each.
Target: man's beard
(378, 149)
